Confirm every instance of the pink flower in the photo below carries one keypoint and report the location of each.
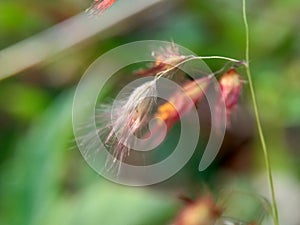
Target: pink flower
(99, 6)
(192, 89)
(230, 87)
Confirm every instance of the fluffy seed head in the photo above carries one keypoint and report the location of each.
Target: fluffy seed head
(129, 117)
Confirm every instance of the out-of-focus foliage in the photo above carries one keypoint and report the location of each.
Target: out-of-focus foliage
(44, 180)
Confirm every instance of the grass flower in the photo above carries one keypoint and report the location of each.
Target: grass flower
(129, 117)
(127, 121)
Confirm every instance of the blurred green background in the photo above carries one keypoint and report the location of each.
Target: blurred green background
(44, 179)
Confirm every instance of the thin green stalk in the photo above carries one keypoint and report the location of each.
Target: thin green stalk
(259, 127)
(191, 57)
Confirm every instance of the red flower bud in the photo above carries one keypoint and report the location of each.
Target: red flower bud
(230, 87)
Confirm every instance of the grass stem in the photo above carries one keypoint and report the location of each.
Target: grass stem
(258, 122)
